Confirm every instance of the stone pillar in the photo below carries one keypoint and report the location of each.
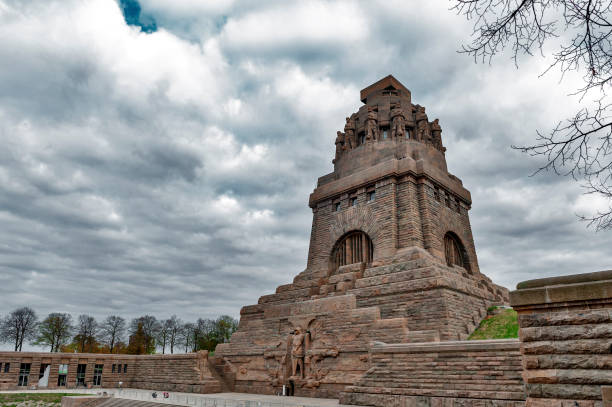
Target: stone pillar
(565, 328)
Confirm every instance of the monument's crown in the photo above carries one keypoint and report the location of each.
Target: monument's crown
(387, 117)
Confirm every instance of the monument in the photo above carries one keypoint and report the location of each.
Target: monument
(391, 259)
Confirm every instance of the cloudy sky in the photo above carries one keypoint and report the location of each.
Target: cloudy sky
(157, 157)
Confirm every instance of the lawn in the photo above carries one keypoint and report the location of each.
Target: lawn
(500, 326)
(32, 399)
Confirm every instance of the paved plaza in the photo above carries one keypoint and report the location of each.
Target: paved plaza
(203, 400)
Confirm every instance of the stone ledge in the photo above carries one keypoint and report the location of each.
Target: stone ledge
(571, 279)
(580, 287)
(451, 346)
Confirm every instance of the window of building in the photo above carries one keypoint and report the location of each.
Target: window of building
(337, 207)
(457, 206)
(0, 367)
(437, 193)
(371, 196)
(7, 367)
(43, 367)
(384, 133)
(447, 200)
(361, 138)
(354, 201)
(24, 374)
(113, 369)
(62, 373)
(408, 135)
(354, 247)
(80, 378)
(125, 368)
(455, 252)
(97, 378)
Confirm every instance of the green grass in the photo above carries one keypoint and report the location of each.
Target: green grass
(12, 399)
(501, 326)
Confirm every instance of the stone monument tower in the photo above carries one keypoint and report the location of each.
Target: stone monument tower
(391, 259)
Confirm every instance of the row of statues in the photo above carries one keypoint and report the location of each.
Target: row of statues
(417, 128)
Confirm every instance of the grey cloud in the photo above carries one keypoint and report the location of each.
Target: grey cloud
(122, 190)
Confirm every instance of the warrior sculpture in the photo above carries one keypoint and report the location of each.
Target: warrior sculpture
(371, 126)
(398, 126)
(340, 141)
(436, 134)
(349, 131)
(422, 126)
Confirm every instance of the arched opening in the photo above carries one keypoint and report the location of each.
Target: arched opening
(455, 252)
(353, 247)
(291, 388)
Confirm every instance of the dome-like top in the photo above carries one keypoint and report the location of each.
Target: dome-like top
(387, 115)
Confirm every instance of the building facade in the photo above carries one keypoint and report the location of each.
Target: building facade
(391, 259)
(40, 370)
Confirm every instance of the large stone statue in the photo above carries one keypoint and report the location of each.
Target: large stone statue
(422, 125)
(398, 122)
(349, 131)
(299, 342)
(436, 134)
(371, 126)
(340, 141)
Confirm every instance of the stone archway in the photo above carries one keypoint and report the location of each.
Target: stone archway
(353, 247)
(455, 252)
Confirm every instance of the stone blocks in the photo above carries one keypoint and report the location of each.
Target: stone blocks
(566, 338)
(461, 373)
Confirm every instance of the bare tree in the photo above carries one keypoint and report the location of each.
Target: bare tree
(112, 331)
(163, 334)
(174, 331)
(581, 146)
(150, 328)
(188, 334)
(19, 326)
(55, 331)
(86, 331)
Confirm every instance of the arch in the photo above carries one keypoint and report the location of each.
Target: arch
(455, 252)
(353, 247)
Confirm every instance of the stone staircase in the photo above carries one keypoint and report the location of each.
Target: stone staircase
(223, 372)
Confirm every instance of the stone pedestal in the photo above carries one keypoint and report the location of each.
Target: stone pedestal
(566, 338)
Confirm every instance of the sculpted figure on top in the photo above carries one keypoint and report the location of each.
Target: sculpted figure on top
(371, 126)
(349, 131)
(398, 126)
(340, 142)
(387, 110)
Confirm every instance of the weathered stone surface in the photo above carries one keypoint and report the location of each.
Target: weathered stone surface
(391, 259)
(566, 338)
(179, 372)
(469, 373)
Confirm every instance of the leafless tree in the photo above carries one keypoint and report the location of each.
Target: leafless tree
(579, 147)
(112, 331)
(174, 331)
(19, 326)
(162, 335)
(188, 336)
(55, 331)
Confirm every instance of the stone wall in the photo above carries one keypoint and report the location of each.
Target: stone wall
(467, 373)
(189, 372)
(566, 338)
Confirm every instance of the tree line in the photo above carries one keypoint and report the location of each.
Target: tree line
(143, 335)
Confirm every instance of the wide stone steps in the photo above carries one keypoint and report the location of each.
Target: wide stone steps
(117, 402)
(394, 268)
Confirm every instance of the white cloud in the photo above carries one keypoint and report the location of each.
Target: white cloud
(178, 164)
